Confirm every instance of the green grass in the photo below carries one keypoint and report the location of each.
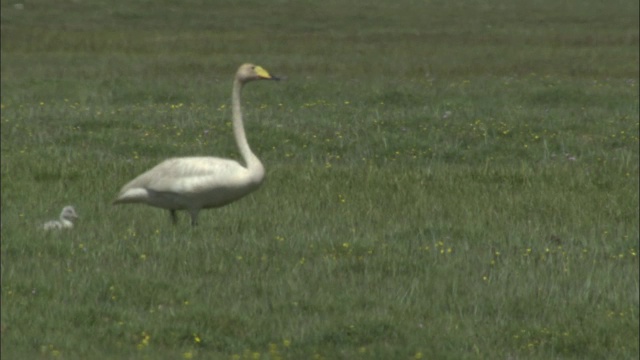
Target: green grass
(445, 180)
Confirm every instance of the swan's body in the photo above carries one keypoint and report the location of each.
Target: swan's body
(67, 216)
(195, 183)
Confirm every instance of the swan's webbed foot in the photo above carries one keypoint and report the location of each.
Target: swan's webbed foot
(174, 217)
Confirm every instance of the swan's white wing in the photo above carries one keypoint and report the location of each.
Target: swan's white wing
(197, 175)
(57, 225)
(182, 175)
(52, 225)
(193, 182)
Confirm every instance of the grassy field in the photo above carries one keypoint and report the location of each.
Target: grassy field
(445, 180)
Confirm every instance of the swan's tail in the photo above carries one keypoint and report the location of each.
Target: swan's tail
(135, 195)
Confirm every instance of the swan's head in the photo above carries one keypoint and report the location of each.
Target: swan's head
(250, 72)
(69, 213)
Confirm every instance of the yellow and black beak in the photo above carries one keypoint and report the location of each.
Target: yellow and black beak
(264, 74)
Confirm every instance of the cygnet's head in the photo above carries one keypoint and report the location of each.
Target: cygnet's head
(69, 213)
(250, 72)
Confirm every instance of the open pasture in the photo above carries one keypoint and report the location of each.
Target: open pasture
(445, 180)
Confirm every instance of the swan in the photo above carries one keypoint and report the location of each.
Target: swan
(67, 216)
(200, 182)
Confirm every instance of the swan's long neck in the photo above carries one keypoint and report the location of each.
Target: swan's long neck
(254, 165)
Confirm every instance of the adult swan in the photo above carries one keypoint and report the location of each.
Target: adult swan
(196, 183)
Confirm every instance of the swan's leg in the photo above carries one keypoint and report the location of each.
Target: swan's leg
(194, 216)
(174, 217)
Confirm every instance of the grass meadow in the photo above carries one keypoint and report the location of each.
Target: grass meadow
(445, 180)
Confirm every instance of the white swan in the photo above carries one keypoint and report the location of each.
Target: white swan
(67, 216)
(195, 183)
